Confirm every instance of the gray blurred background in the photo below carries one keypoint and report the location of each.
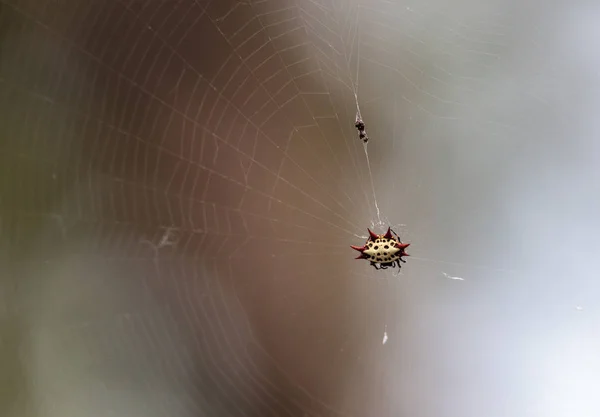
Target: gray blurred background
(181, 181)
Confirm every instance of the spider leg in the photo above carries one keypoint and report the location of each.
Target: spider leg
(401, 260)
(374, 265)
(383, 267)
(396, 234)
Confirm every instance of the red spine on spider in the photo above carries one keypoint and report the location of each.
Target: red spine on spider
(360, 126)
(386, 250)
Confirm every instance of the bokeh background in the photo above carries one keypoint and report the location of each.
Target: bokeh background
(181, 181)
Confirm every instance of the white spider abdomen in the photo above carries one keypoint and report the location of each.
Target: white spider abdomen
(382, 250)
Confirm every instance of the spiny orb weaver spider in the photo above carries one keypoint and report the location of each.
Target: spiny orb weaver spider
(386, 250)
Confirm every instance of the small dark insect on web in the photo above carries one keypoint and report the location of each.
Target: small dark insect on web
(360, 126)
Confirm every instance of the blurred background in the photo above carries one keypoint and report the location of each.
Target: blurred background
(181, 181)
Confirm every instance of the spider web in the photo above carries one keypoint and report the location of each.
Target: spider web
(188, 181)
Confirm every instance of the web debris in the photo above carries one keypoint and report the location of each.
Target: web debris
(165, 240)
(168, 238)
(453, 278)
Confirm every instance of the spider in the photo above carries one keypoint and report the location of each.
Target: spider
(360, 126)
(386, 250)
